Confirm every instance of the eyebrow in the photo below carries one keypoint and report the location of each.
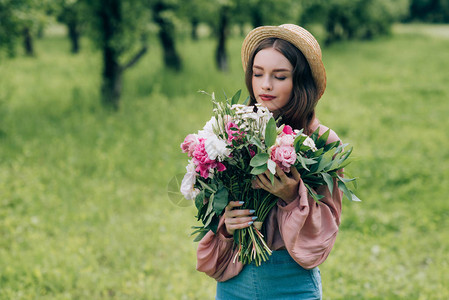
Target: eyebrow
(275, 70)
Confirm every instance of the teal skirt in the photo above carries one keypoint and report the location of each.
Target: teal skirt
(278, 278)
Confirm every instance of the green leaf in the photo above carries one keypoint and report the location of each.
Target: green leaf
(314, 135)
(325, 161)
(214, 224)
(259, 159)
(302, 161)
(199, 200)
(312, 193)
(270, 133)
(259, 170)
(348, 193)
(322, 139)
(329, 181)
(344, 179)
(331, 145)
(346, 154)
(355, 198)
(317, 153)
(343, 164)
(236, 97)
(272, 178)
(200, 235)
(348, 175)
(298, 142)
(220, 200)
(210, 204)
(211, 188)
(255, 141)
(209, 219)
(246, 101)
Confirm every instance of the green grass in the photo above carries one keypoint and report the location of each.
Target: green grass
(84, 212)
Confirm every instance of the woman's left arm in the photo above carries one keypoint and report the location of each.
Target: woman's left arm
(308, 228)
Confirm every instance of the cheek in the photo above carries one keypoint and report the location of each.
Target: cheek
(287, 88)
(254, 84)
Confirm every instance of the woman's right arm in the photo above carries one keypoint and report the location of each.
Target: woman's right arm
(216, 255)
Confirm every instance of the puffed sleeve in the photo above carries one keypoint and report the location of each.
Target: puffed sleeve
(215, 255)
(309, 229)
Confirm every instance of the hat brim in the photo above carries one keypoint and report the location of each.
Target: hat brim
(296, 35)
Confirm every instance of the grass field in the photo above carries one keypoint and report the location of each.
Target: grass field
(84, 211)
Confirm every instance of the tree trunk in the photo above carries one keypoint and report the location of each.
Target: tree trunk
(194, 34)
(167, 37)
(221, 57)
(74, 36)
(112, 79)
(256, 17)
(111, 20)
(28, 42)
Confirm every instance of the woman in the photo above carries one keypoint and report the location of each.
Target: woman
(285, 73)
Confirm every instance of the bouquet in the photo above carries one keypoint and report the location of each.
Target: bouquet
(240, 142)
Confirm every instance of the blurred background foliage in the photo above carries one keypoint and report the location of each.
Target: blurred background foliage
(96, 96)
(121, 29)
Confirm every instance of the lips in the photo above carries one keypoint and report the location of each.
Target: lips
(265, 97)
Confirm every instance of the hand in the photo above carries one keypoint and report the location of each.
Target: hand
(237, 218)
(284, 187)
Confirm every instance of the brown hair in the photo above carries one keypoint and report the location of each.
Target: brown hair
(299, 112)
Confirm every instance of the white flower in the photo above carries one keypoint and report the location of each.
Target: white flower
(216, 148)
(187, 184)
(263, 111)
(309, 142)
(208, 129)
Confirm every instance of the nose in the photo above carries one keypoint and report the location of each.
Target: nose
(266, 84)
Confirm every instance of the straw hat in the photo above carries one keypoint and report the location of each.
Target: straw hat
(297, 36)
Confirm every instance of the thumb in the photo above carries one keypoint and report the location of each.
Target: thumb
(295, 173)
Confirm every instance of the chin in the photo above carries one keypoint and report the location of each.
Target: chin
(270, 105)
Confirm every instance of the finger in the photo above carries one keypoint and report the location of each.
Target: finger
(295, 173)
(238, 226)
(268, 173)
(232, 204)
(242, 220)
(261, 185)
(237, 213)
(254, 184)
(281, 174)
(267, 181)
(263, 181)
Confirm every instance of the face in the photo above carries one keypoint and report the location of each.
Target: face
(272, 79)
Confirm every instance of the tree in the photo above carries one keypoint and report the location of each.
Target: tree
(118, 27)
(257, 12)
(221, 55)
(268, 12)
(436, 11)
(69, 12)
(354, 19)
(21, 19)
(163, 16)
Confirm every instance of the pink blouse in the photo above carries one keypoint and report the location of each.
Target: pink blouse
(305, 228)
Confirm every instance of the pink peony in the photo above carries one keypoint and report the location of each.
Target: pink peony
(231, 131)
(189, 144)
(285, 140)
(284, 157)
(287, 130)
(203, 162)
